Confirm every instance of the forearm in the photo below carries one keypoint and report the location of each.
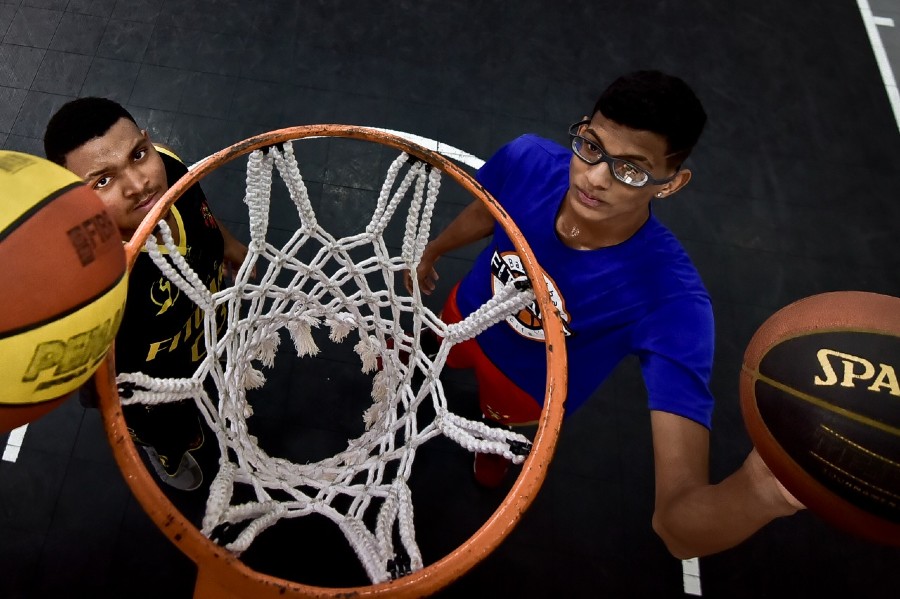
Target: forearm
(234, 253)
(706, 519)
(228, 239)
(475, 222)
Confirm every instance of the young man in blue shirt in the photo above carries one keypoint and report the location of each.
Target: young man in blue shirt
(623, 285)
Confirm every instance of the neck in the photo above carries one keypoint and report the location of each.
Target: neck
(582, 234)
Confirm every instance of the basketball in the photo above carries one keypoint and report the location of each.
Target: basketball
(529, 319)
(821, 402)
(65, 282)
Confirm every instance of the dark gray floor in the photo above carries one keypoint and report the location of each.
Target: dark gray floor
(795, 193)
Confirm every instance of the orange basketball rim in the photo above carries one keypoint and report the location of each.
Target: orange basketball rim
(220, 573)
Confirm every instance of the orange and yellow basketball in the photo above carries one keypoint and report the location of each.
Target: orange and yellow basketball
(65, 282)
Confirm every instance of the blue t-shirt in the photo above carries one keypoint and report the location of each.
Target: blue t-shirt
(641, 297)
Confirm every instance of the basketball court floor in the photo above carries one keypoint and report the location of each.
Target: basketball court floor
(795, 192)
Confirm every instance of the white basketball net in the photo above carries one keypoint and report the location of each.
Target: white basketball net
(371, 474)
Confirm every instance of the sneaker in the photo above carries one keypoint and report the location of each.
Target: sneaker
(490, 469)
(430, 343)
(389, 346)
(197, 442)
(185, 476)
(193, 445)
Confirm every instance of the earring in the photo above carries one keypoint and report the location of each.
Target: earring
(659, 195)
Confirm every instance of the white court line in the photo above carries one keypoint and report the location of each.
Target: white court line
(690, 569)
(14, 444)
(884, 65)
(883, 21)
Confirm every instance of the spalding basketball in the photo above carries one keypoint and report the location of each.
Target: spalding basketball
(64, 277)
(821, 400)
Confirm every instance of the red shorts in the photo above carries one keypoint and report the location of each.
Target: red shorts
(501, 399)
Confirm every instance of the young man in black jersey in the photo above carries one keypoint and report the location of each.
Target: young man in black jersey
(100, 141)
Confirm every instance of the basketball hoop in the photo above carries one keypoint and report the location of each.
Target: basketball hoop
(312, 298)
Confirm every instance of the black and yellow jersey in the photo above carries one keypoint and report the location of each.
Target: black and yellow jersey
(162, 331)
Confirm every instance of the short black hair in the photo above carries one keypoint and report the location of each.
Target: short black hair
(79, 121)
(657, 102)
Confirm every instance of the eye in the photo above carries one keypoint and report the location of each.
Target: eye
(626, 169)
(592, 147)
(629, 173)
(631, 170)
(102, 182)
(140, 154)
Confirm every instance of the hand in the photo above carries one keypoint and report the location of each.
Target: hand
(784, 495)
(426, 275)
(235, 254)
(788, 496)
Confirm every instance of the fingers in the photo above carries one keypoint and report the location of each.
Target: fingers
(776, 490)
(231, 270)
(427, 285)
(426, 282)
(789, 497)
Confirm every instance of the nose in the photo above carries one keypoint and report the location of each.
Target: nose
(134, 182)
(599, 175)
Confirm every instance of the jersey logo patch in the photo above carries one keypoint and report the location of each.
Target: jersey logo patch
(527, 322)
(208, 219)
(164, 294)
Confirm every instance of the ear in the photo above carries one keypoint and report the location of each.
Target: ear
(681, 179)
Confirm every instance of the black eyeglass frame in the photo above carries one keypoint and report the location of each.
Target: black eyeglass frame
(611, 160)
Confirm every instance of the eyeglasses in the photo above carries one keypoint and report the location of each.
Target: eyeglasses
(626, 172)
